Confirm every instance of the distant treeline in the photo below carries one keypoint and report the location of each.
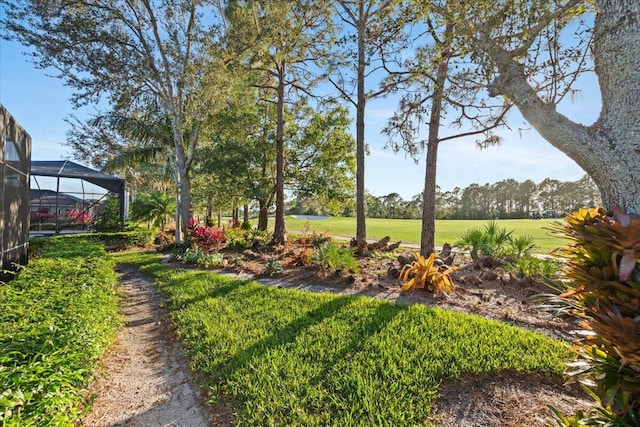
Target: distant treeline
(504, 199)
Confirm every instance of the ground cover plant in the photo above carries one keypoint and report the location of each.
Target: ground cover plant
(288, 357)
(447, 231)
(56, 318)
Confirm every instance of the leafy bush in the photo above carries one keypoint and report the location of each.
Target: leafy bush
(238, 245)
(331, 257)
(426, 273)
(110, 241)
(207, 239)
(605, 294)
(42, 215)
(196, 256)
(492, 240)
(155, 207)
(108, 219)
(540, 267)
(314, 239)
(58, 315)
(521, 246)
(272, 266)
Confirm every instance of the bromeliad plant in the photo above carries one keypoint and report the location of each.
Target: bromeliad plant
(604, 265)
(427, 273)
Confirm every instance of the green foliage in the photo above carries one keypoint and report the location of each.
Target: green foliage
(198, 257)
(57, 317)
(272, 266)
(108, 219)
(605, 295)
(332, 257)
(238, 245)
(259, 237)
(427, 273)
(537, 267)
(236, 261)
(155, 207)
(295, 358)
(246, 225)
(110, 241)
(492, 240)
(520, 246)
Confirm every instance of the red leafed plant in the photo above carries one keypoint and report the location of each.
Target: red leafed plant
(78, 216)
(207, 239)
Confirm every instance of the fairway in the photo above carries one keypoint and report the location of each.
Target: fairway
(447, 231)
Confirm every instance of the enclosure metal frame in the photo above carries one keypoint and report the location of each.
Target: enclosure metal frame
(15, 158)
(68, 169)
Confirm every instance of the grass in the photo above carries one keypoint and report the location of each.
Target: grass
(408, 230)
(56, 318)
(288, 357)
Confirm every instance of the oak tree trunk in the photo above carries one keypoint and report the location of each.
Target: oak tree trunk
(608, 150)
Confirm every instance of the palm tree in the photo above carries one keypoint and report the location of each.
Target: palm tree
(152, 136)
(155, 207)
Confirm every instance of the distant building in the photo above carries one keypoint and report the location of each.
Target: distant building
(15, 161)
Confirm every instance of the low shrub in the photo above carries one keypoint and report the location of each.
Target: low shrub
(207, 239)
(110, 241)
(272, 266)
(537, 267)
(491, 240)
(57, 317)
(196, 256)
(238, 245)
(331, 257)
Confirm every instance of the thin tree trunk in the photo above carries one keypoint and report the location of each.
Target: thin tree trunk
(361, 213)
(246, 213)
(427, 237)
(279, 236)
(209, 219)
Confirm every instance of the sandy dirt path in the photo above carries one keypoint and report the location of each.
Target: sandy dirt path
(146, 379)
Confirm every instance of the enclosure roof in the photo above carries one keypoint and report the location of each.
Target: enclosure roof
(35, 194)
(69, 169)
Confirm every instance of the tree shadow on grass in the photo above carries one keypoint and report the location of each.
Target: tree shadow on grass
(281, 337)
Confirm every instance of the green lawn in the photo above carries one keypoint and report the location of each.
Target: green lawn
(408, 230)
(295, 358)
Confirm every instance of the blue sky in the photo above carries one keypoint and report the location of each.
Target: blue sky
(40, 104)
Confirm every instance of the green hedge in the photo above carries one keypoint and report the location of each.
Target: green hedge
(110, 241)
(56, 318)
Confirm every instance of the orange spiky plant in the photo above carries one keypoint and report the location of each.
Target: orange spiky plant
(426, 273)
